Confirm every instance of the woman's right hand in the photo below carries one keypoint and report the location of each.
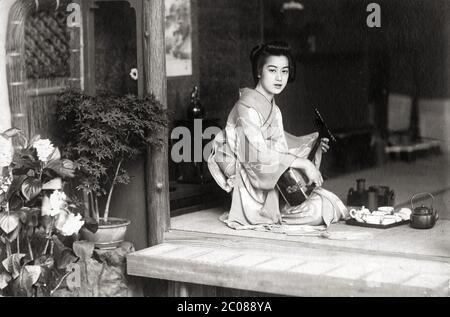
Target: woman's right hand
(313, 174)
(311, 171)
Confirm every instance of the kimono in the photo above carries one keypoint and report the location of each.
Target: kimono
(249, 156)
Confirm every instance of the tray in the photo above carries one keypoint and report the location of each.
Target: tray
(353, 222)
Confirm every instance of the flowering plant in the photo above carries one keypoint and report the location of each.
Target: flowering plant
(37, 220)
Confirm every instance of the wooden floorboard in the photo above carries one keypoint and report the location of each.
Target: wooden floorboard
(402, 240)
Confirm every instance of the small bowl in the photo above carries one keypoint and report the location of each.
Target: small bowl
(386, 209)
(380, 213)
(388, 221)
(372, 219)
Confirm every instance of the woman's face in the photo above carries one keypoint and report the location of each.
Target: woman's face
(274, 75)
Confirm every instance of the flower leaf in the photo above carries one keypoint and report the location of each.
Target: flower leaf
(5, 278)
(63, 255)
(90, 224)
(9, 223)
(13, 235)
(10, 133)
(64, 168)
(31, 188)
(54, 184)
(24, 163)
(29, 216)
(12, 264)
(36, 138)
(56, 155)
(83, 249)
(16, 185)
(16, 202)
(29, 275)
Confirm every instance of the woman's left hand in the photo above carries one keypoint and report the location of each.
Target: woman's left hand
(324, 145)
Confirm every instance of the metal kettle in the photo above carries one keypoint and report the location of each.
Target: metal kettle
(423, 217)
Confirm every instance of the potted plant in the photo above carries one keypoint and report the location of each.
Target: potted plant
(100, 133)
(38, 222)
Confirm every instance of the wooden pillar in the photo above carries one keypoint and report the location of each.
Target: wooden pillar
(157, 168)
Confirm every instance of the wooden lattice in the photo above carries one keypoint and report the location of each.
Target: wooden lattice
(38, 64)
(47, 44)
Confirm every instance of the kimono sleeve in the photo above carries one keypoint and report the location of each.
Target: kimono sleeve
(262, 162)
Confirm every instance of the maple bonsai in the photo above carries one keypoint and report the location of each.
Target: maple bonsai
(99, 133)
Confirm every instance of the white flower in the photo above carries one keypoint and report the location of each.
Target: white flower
(134, 73)
(71, 225)
(44, 149)
(6, 152)
(55, 204)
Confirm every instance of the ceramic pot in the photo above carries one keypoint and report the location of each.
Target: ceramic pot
(109, 235)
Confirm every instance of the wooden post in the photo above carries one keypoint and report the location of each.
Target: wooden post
(157, 168)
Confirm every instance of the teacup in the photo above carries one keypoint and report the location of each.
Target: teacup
(388, 221)
(387, 209)
(395, 217)
(380, 213)
(404, 213)
(373, 219)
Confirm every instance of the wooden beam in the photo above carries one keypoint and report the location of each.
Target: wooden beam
(157, 169)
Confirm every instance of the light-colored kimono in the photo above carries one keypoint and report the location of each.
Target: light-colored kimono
(251, 154)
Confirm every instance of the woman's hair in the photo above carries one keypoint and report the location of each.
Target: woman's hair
(259, 54)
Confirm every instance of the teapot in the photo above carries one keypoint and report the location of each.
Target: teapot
(423, 217)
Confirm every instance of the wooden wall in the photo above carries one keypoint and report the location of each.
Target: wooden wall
(418, 41)
(407, 55)
(115, 48)
(333, 75)
(228, 29)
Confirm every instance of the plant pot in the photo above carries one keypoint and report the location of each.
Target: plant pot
(109, 235)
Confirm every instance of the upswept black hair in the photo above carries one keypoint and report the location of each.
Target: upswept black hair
(259, 54)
